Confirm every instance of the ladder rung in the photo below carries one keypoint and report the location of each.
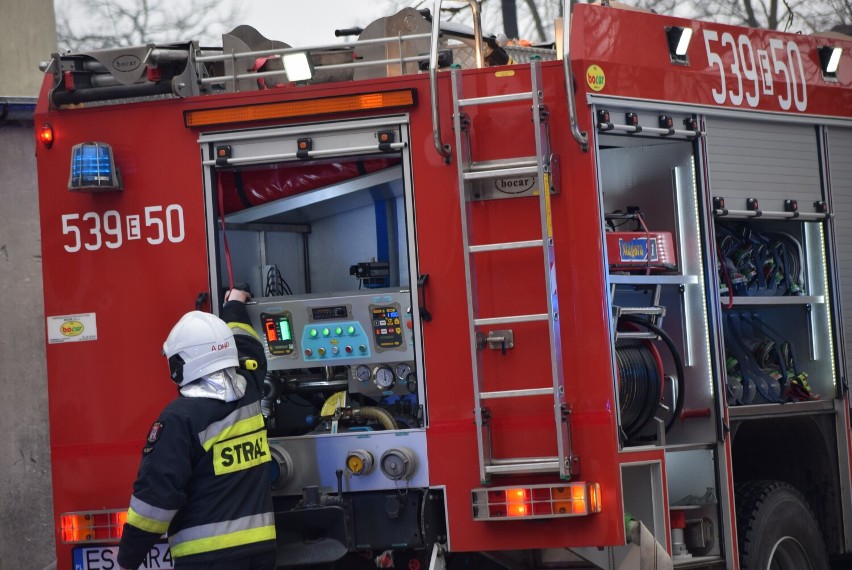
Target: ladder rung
(629, 335)
(510, 320)
(508, 98)
(506, 245)
(518, 162)
(501, 172)
(641, 310)
(525, 393)
(523, 465)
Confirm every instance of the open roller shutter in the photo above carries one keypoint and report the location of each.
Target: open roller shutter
(770, 161)
(840, 172)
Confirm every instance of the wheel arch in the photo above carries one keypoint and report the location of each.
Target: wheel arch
(800, 451)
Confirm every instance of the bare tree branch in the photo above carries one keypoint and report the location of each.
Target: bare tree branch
(112, 23)
(539, 27)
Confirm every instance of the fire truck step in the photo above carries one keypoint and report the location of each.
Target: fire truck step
(523, 465)
(655, 310)
(492, 99)
(506, 245)
(525, 393)
(625, 335)
(509, 320)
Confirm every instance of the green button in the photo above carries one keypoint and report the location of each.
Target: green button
(362, 348)
(350, 329)
(325, 332)
(338, 330)
(313, 332)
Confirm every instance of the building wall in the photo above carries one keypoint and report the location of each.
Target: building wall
(26, 517)
(28, 30)
(26, 539)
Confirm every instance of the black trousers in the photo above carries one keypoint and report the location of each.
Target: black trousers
(265, 561)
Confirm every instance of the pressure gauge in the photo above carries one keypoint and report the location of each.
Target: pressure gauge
(402, 371)
(384, 377)
(363, 373)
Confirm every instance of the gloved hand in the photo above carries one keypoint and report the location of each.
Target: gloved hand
(237, 295)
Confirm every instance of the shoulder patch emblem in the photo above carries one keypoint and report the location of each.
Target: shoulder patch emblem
(156, 431)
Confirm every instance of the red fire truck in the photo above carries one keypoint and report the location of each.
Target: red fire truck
(524, 306)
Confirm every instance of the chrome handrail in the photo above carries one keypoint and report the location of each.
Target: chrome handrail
(581, 137)
(444, 149)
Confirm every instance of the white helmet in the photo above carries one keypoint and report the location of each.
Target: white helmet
(199, 344)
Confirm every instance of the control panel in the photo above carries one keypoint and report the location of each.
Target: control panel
(304, 331)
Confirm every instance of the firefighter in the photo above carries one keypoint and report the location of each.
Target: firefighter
(204, 474)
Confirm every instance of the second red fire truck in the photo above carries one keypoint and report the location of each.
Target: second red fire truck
(549, 306)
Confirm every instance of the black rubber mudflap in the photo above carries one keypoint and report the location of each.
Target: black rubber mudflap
(311, 536)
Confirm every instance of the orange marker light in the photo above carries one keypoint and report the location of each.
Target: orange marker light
(380, 100)
(516, 495)
(517, 502)
(594, 498)
(92, 526)
(117, 521)
(578, 499)
(536, 501)
(76, 528)
(45, 135)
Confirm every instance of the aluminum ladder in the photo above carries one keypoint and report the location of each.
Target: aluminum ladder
(469, 172)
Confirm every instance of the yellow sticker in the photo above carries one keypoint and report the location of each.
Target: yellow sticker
(595, 78)
(547, 211)
(240, 453)
(507, 73)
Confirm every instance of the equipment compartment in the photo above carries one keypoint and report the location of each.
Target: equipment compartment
(662, 354)
(777, 322)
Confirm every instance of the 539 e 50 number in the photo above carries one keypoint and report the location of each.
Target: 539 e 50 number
(111, 229)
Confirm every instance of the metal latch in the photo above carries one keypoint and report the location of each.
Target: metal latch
(496, 340)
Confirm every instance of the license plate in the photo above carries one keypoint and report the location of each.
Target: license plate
(105, 558)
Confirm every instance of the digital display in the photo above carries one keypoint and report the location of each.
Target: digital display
(387, 326)
(278, 331)
(325, 313)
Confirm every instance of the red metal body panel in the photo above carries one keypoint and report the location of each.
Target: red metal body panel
(515, 285)
(103, 394)
(90, 443)
(631, 54)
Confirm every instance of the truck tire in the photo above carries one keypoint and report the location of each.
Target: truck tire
(776, 529)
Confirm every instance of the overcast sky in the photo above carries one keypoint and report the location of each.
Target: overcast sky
(303, 23)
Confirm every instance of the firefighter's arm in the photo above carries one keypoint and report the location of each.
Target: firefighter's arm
(251, 352)
(158, 492)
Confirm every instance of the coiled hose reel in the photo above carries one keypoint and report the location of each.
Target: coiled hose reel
(641, 380)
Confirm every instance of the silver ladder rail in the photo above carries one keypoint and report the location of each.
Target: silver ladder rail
(540, 165)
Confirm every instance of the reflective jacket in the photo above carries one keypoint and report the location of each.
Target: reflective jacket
(204, 475)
